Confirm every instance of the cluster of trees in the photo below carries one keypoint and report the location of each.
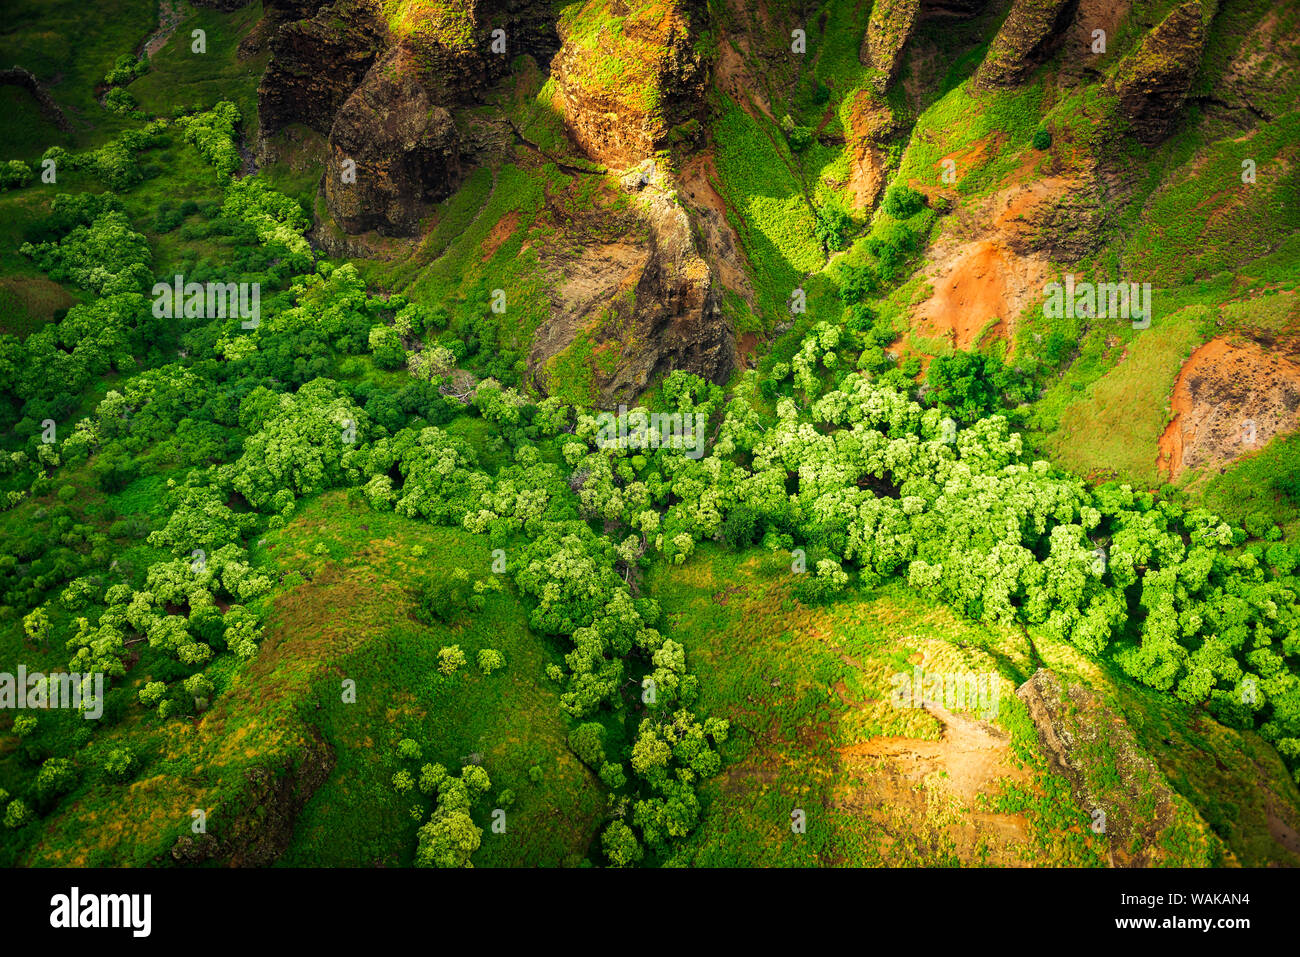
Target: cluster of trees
(449, 837)
(125, 69)
(831, 454)
(214, 135)
(117, 163)
(176, 410)
(15, 174)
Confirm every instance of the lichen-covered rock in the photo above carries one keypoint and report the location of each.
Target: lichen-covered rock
(1114, 781)
(644, 305)
(628, 84)
(317, 63)
(1152, 83)
(463, 47)
(392, 151)
(1021, 42)
(888, 29)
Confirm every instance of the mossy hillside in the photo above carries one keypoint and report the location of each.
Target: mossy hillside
(180, 78)
(799, 683)
(354, 619)
(824, 684)
(1108, 429)
(77, 43)
(343, 610)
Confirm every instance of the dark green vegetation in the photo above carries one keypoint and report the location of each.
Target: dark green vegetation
(367, 597)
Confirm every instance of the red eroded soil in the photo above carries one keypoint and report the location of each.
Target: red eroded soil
(1230, 399)
(978, 292)
(502, 231)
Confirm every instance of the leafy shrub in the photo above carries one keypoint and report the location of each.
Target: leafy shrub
(490, 660)
(120, 764)
(125, 69)
(1042, 138)
(450, 659)
(15, 173)
(386, 346)
(902, 202)
(858, 283)
(832, 226)
(740, 529)
(119, 101)
(213, 135)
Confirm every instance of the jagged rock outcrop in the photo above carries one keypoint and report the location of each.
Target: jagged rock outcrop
(1113, 780)
(379, 81)
(17, 76)
(626, 91)
(645, 305)
(316, 64)
(891, 26)
(392, 151)
(679, 320)
(1153, 81)
(1022, 42)
(888, 29)
(259, 824)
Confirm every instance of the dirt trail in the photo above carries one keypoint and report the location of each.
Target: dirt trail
(933, 786)
(1230, 399)
(170, 15)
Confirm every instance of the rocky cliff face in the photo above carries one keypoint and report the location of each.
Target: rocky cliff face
(647, 304)
(627, 87)
(888, 29)
(381, 81)
(316, 64)
(1022, 42)
(392, 149)
(1152, 83)
(460, 49)
(286, 11)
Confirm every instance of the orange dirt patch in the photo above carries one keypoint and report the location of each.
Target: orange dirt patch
(985, 269)
(699, 190)
(925, 782)
(1229, 400)
(502, 231)
(978, 292)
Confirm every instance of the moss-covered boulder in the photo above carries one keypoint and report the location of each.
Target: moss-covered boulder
(1153, 81)
(630, 73)
(1022, 42)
